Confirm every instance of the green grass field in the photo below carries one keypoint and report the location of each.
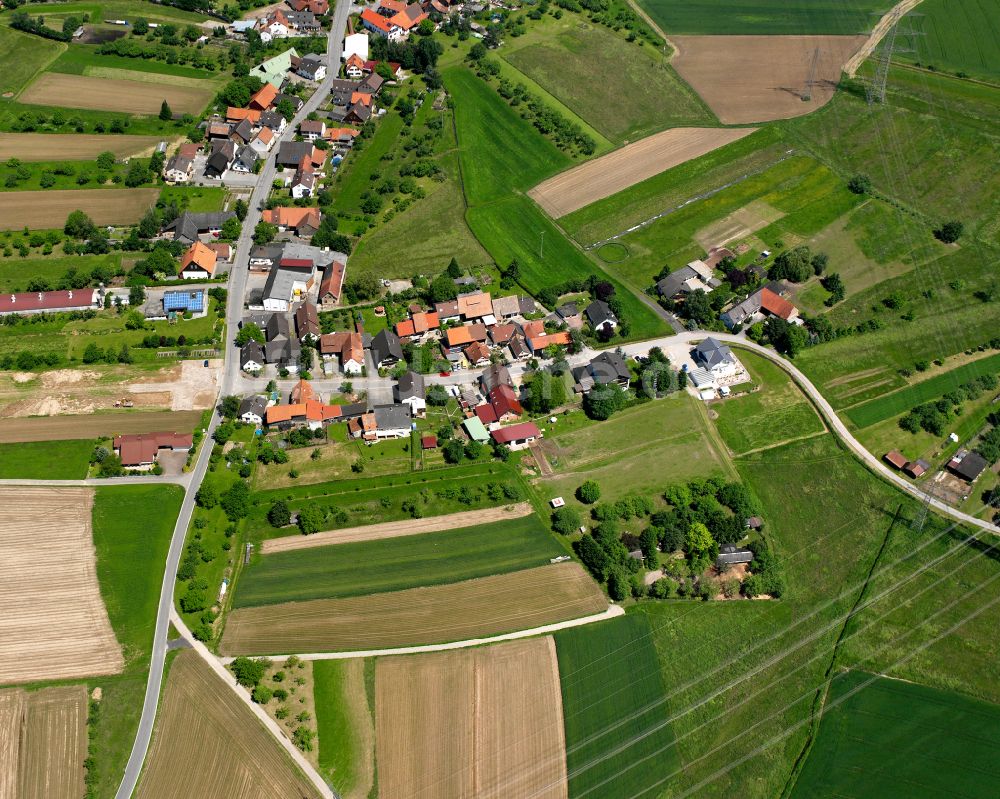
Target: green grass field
(21, 57)
(132, 529)
(878, 735)
(45, 460)
(763, 16)
(775, 413)
(785, 203)
(817, 501)
(499, 152)
(356, 176)
(947, 318)
(637, 451)
(15, 272)
(613, 693)
(66, 175)
(82, 60)
(123, 9)
(572, 59)
(924, 147)
(674, 186)
(898, 402)
(373, 567)
(961, 36)
(338, 748)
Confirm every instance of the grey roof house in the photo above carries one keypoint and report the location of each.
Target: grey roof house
(386, 349)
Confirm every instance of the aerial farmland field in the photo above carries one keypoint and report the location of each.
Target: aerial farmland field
(615, 718)
(958, 36)
(878, 733)
(473, 609)
(207, 743)
(49, 146)
(732, 17)
(481, 722)
(56, 625)
(114, 94)
(394, 564)
(49, 209)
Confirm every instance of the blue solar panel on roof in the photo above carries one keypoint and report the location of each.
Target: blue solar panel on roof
(183, 301)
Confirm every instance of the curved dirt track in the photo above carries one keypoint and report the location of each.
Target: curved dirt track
(878, 33)
(634, 163)
(404, 527)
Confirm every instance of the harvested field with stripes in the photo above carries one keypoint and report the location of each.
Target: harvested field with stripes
(594, 180)
(472, 722)
(471, 609)
(123, 96)
(43, 210)
(43, 743)
(761, 78)
(208, 743)
(377, 532)
(71, 146)
(64, 428)
(54, 624)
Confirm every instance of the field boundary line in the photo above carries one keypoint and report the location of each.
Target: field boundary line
(675, 50)
(63, 47)
(613, 612)
(882, 27)
(758, 450)
(375, 532)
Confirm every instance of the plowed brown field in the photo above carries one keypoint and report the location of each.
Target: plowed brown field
(54, 624)
(11, 718)
(762, 78)
(62, 428)
(55, 743)
(71, 146)
(439, 614)
(49, 209)
(616, 171)
(124, 96)
(474, 722)
(207, 743)
(376, 532)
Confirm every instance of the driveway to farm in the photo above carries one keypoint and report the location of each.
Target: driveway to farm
(237, 291)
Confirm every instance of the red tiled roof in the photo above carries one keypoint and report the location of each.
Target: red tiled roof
(516, 432)
(560, 339)
(264, 97)
(504, 400)
(428, 442)
(477, 351)
(200, 256)
(71, 299)
(376, 20)
(288, 217)
(405, 328)
(239, 114)
(458, 336)
(474, 306)
(333, 280)
(302, 392)
(778, 306)
(486, 414)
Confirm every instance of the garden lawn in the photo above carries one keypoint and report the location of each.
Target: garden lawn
(196, 199)
(573, 62)
(607, 705)
(767, 658)
(45, 460)
(961, 36)
(334, 463)
(878, 734)
(22, 56)
(15, 272)
(132, 529)
(898, 402)
(344, 570)
(775, 413)
(764, 16)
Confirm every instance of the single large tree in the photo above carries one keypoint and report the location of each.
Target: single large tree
(165, 113)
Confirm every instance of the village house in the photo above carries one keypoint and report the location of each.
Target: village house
(348, 348)
(142, 451)
(517, 436)
(493, 376)
(505, 403)
(282, 348)
(252, 357)
(410, 390)
(264, 256)
(477, 354)
(291, 153)
(302, 221)
(730, 555)
(262, 141)
(600, 316)
(762, 303)
(291, 281)
(253, 410)
(222, 156)
(178, 169)
(311, 67)
(312, 129)
(332, 284)
(356, 44)
(318, 7)
(311, 413)
(307, 322)
(610, 368)
(188, 227)
(716, 362)
(246, 160)
(304, 180)
(198, 263)
(476, 305)
(696, 275)
(447, 311)
(967, 465)
(386, 350)
(354, 67)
